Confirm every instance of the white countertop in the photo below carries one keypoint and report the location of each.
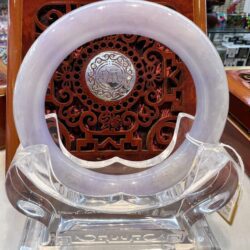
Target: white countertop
(11, 221)
(235, 237)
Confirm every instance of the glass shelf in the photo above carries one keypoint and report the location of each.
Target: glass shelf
(228, 30)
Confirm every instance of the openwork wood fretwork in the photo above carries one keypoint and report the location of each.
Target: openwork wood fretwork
(138, 126)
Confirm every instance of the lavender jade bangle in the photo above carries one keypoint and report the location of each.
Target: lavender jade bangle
(121, 17)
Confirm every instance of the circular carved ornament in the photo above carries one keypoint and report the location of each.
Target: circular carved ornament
(110, 76)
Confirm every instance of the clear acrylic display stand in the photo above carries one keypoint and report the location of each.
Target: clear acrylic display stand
(61, 218)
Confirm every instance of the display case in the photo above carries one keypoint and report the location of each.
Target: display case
(233, 45)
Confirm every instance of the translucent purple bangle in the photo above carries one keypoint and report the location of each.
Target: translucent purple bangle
(121, 17)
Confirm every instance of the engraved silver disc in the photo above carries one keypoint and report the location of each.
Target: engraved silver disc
(110, 76)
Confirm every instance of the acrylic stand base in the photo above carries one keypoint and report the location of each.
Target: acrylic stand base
(142, 234)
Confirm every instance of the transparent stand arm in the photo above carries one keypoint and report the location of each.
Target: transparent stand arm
(35, 191)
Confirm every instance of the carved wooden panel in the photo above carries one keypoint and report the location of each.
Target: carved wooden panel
(39, 14)
(142, 122)
(136, 127)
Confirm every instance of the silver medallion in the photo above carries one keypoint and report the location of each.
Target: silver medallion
(110, 76)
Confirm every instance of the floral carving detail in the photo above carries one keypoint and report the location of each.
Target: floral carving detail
(110, 121)
(65, 75)
(153, 75)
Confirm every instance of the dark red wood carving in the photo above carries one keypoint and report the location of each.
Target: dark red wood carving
(136, 127)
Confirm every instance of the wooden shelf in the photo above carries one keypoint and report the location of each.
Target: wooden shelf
(239, 87)
(3, 90)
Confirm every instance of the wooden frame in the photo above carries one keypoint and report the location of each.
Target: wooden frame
(14, 61)
(17, 49)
